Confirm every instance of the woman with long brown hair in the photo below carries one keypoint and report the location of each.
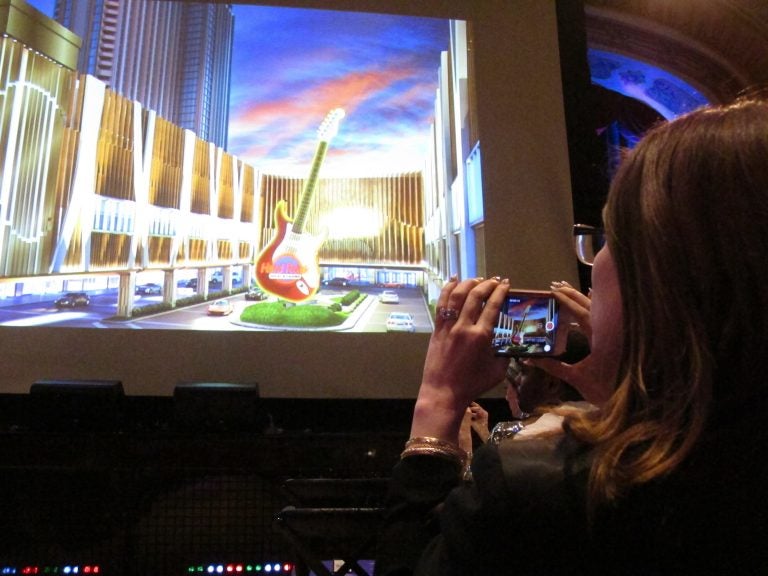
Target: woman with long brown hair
(669, 476)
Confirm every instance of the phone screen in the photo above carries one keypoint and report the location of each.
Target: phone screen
(527, 325)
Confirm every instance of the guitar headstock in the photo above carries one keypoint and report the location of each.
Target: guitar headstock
(330, 126)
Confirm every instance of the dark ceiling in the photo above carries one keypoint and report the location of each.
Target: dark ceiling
(720, 47)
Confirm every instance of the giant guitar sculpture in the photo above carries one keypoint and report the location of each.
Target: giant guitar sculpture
(288, 266)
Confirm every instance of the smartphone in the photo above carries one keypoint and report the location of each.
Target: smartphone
(528, 325)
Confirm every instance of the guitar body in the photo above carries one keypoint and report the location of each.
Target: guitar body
(288, 266)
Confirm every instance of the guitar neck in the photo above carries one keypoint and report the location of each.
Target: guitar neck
(309, 188)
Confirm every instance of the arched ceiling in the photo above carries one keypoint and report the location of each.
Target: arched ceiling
(672, 54)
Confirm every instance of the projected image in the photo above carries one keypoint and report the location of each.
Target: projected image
(300, 169)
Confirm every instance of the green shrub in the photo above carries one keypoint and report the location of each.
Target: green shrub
(280, 314)
(150, 309)
(350, 297)
(188, 300)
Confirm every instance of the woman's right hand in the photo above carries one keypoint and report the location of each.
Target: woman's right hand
(460, 364)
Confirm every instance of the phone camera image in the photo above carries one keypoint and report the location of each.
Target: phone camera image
(527, 325)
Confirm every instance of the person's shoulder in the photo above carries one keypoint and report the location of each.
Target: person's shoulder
(536, 465)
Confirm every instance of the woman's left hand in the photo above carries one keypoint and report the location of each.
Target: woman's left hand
(460, 364)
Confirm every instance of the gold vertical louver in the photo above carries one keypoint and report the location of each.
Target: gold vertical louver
(167, 157)
(201, 174)
(226, 188)
(115, 149)
(109, 251)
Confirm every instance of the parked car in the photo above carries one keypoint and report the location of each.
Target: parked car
(389, 297)
(256, 294)
(73, 300)
(338, 281)
(400, 322)
(150, 288)
(389, 284)
(220, 308)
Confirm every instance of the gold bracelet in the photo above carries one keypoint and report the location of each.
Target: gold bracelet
(428, 446)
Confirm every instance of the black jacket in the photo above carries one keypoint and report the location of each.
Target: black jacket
(525, 513)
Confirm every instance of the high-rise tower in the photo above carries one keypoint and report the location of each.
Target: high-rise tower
(172, 57)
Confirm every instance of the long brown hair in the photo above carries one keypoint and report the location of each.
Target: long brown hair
(687, 225)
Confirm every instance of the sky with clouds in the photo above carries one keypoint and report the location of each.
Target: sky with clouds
(292, 66)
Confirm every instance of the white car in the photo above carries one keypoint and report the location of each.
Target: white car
(389, 297)
(220, 308)
(400, 322)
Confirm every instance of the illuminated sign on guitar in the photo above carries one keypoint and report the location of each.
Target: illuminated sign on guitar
(288, 266)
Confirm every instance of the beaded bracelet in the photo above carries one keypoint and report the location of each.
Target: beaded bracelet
(428, 446)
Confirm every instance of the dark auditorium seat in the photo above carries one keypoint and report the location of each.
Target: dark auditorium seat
(76, 405)
(318, 534)
(332, 519)
(217, 407)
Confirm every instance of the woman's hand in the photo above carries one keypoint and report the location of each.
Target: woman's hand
(460, 364)
(475, 420)
(478, 421)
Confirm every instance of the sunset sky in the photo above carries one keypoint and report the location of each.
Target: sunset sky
(292, 66)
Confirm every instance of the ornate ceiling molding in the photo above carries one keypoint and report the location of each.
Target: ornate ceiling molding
(720, 47)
